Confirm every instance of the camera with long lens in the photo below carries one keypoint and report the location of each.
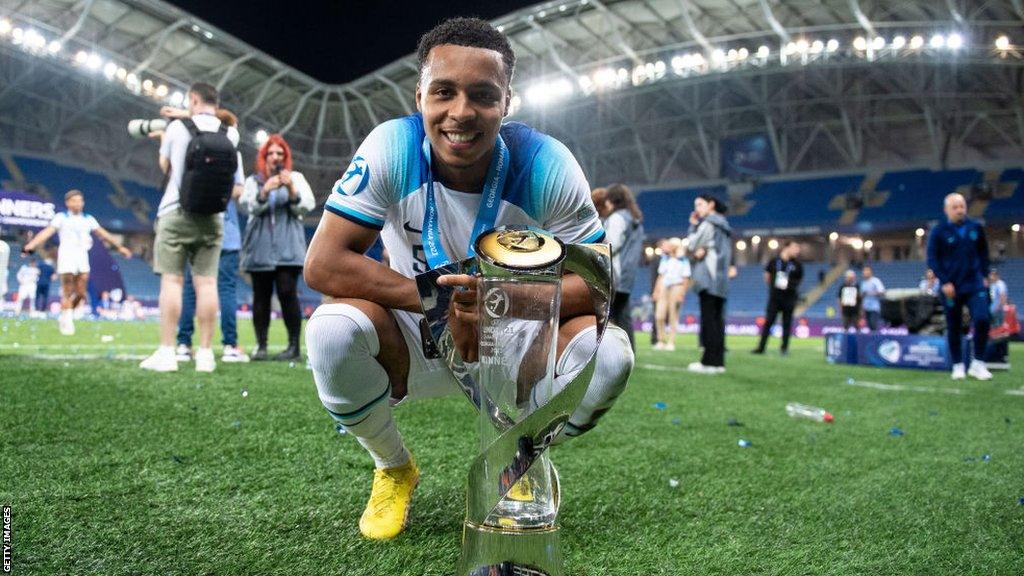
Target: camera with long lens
(142, 128)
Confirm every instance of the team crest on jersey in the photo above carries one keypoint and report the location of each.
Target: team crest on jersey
(355, 178)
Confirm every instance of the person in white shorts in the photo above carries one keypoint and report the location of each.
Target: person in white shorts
(28, 282)
(75, 229)
(427, 185)
(670, 291)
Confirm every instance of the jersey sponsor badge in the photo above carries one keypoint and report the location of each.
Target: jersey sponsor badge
(355, 178)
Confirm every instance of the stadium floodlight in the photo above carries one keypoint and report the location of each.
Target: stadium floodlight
(817, 47)
(131, 80)
(868, 244)
(161, 91)
(718, 56)
(54, 46)
(773, 244)
(514, 104)
(81, 57)
(1003, 43)
(743, 53)
(878, 43)
(33, 40)
(649, 251)
(121, 73)
(5, 26)
(857, 243)
(789, 49)
(755, 240)
(261, 137)
(919, 232)
(94, 61)
(898, 42)
(147, 85)
(916, 42)
(833, 236)
(177, 98)
(1015, 228)
(937, 41)
(763, 51)
(860, 44)
(109, 70)
(17, 35)
(802, 45)
(562, 8)
(954, 41)
(832, 45)
(741, 245)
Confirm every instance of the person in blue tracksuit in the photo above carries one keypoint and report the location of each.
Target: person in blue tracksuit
(958, 254)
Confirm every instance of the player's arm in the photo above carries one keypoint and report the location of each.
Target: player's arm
(337, 267)
(39, 239)
(109, 239)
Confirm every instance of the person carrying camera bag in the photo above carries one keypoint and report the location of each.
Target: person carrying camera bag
(201, 164)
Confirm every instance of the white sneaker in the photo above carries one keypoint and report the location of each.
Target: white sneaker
(162, 360)
(234, 354)
(702, 369)
(183, 353)
(979, 370)
(66, 323)
(205, 361)
(659, 346)
(958, 371)
(670, 347)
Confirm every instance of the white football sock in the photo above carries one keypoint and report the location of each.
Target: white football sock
(342, 344)
(611, 373)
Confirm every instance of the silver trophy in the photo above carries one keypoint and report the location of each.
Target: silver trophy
(513, 490)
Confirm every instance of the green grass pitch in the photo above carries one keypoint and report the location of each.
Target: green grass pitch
(110, 470)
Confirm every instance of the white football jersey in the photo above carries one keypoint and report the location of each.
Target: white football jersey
(385, 188)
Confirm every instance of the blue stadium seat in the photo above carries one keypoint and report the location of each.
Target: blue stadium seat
(98, 191)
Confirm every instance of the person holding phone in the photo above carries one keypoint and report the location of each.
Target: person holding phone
(274, 243)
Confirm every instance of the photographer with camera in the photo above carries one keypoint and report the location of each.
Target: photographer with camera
(274, 244)
(203, 171)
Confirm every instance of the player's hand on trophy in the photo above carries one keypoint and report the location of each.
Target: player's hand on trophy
(124, 251)
(462, 314)
(949, 290)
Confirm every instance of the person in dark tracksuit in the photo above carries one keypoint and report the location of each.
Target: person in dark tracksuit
(958, 254)
(782, 275)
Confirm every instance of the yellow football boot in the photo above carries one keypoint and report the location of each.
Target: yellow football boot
(387, 512)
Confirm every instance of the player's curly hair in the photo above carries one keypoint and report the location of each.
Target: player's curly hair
(472, 32)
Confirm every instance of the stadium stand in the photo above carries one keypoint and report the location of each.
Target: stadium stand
(901, 198)
(100, 195)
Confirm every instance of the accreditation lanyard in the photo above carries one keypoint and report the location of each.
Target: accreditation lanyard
(487, 214)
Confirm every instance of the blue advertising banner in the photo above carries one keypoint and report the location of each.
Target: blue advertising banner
(890, 351)
(19, 208)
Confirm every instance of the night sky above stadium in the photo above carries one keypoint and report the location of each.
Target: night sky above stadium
(337, 40)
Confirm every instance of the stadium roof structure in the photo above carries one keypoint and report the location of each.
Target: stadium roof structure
(643, 91)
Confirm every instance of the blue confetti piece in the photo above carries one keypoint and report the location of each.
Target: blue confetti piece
(744, 443)
(850, 380)
(986, 457)
(660, 405)
(677, 421)
(896, 432)
(1020, 501)
(340, 429)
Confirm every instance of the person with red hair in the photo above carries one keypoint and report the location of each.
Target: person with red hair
(274, 243)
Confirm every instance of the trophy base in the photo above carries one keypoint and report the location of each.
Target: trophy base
(488, 551)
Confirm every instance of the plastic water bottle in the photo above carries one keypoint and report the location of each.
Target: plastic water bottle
(809, 412)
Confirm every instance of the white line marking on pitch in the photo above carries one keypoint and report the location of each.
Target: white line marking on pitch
(900, 387)
(87, 357)
(661, 367)
(20, 346)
